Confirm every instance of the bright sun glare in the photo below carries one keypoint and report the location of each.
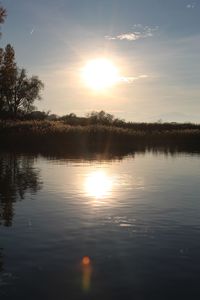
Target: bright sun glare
(98, 184)
(100, 74)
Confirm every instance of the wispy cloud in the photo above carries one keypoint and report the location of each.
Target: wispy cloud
(32, 30)
(191, 5)
(133, 78)
(138, 32)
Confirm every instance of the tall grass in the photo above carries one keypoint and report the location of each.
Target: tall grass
(58, 135)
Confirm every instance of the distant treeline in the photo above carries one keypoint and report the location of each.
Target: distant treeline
(106, 119)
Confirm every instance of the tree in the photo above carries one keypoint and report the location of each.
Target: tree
(3, 15)
(17, 91)
(100, 117)
(8, 71)
(26, 91)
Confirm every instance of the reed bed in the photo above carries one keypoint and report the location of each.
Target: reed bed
(57, 134)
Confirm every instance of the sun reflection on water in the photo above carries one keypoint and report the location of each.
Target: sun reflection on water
(98, 184)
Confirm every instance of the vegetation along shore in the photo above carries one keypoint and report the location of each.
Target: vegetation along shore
(61, 134)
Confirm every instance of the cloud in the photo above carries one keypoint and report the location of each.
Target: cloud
(32, 30)
(132, 79)
(138, 32)
(191, 5)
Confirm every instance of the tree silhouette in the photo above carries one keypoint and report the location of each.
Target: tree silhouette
(17, 91)
(8, 70)
(100, 117)
(3, 15)
(17, 176)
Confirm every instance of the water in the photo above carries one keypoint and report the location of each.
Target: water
(136, 218)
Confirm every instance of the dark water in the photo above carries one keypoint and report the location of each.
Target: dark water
(137, 219)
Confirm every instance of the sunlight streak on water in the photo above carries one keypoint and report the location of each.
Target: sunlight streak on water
(98, 184)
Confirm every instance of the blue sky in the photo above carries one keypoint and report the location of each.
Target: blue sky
(154, 43)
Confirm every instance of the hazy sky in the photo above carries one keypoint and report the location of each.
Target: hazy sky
(154, 43)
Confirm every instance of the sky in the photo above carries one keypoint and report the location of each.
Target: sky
(155, 44)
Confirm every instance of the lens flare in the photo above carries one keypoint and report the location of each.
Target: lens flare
(86, 261)
(87, 272)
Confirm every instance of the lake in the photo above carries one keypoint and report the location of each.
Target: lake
(100, 227)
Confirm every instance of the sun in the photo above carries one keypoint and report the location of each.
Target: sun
(100, 74)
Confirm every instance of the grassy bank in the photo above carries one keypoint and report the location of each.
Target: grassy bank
(57, 135)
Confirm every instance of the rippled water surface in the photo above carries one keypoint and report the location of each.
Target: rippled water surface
(135, 220)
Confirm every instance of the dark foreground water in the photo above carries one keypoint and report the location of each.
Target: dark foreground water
(137, 219)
